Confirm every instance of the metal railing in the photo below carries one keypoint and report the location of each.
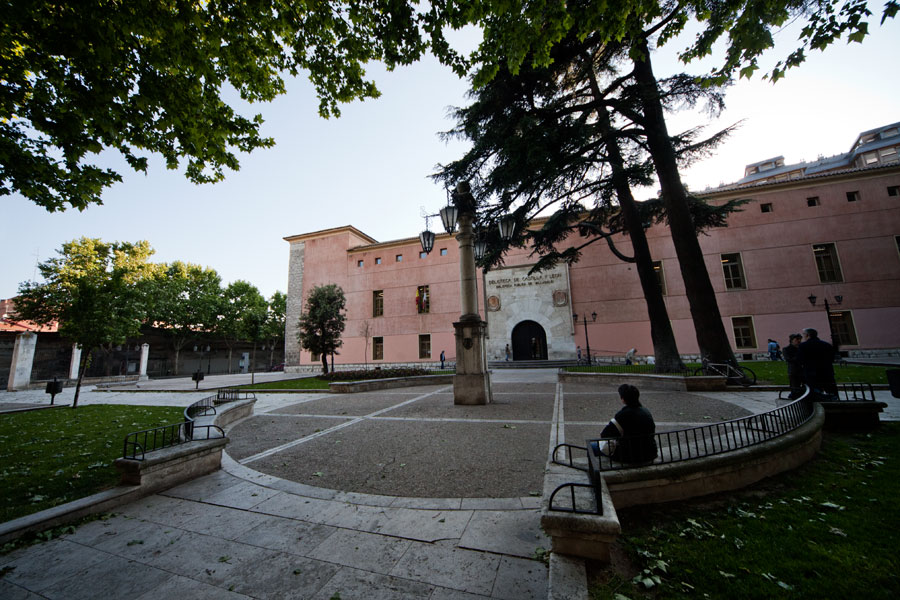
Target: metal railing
(855, 391)
(621, 368)
(138, 443)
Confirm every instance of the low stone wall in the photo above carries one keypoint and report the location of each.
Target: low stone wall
(369, 385)
(168, 467)
(650, 381)
(425, 364)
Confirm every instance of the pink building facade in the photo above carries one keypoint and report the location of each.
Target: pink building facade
(829, 229)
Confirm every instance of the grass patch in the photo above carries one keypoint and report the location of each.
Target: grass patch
(49, 457)
(304, 383)
(826, 530)
(767, 371)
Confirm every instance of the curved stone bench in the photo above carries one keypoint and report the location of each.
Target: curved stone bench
(369, 385)
(651, 381)
(590, 535)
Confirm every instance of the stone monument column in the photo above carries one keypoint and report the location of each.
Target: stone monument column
(472, 382)
(75, 362)
(145, 355)
(22, 361)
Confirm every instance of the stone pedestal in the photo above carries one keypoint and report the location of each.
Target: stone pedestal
(22, 360)
(472, 382)
(75, 362)
(145, 354)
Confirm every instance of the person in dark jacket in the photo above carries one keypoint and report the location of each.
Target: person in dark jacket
(816, 358)
(634, 428)
(794, 369)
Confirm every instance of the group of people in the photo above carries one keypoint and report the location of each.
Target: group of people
(810, 362)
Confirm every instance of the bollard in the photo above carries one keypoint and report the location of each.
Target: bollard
(53, 388)
(197, 377)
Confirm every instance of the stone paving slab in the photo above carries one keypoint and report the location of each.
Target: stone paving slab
(512, 533)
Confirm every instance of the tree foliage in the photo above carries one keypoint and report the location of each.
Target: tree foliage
(94, 290)
(185, 303)
(144, 77)
(242, 315)
(273, 329)
(322, 321)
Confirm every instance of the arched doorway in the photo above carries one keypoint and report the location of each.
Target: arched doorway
(529, 342)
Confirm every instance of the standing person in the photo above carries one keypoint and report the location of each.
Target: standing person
(578, 352)
(794, 369)
(507, 353)
(631, 433)
(629, 356)
(442, 360)
(816, 358)
(773, 349)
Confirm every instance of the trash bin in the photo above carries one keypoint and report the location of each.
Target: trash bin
(893, 376)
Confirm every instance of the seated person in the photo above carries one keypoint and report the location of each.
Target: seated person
(634, 426)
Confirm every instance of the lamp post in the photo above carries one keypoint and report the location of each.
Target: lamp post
(837, 300)
(587, 340)
(472, 383)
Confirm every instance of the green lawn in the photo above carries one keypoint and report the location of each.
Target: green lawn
(305, 383)
(49, 457)
(826, 530)
(771, 372)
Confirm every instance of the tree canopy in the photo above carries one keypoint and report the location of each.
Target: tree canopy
(144, 77)
(94, 290)
(322, 321)
(243, 312)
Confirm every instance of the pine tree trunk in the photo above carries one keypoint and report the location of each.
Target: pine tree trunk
(325, 363)
(710, 331)
(665, 348)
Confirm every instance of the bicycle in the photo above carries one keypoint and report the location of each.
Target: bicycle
(733, 375)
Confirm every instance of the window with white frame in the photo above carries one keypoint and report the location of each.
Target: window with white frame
(827, 263)
(733, 270)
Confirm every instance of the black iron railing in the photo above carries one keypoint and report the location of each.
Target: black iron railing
(138, 443)
(705, 440)
(846, 392)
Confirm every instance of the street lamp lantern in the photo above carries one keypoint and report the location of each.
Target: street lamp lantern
(480, 248)
(426, 238)
(593, 316)
(812, 299)
(507, 227)
(448, 217)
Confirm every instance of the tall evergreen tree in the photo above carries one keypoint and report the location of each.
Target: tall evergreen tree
(322, 321)
(570, 138)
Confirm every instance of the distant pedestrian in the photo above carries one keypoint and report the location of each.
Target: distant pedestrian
(794, 369)
(816, 358)
(629, 356)
(442, 360)
(773, 349)
(578, 352)
(507, 353)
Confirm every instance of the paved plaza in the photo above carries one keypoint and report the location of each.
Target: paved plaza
(396, 494)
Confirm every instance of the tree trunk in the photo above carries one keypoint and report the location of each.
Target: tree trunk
(229, 359)
(665, 349)
(710, 331)
(85, 362)
(325, 363)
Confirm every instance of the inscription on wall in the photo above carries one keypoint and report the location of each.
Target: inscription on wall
(505, 282)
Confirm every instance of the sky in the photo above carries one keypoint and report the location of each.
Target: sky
(369, 168)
